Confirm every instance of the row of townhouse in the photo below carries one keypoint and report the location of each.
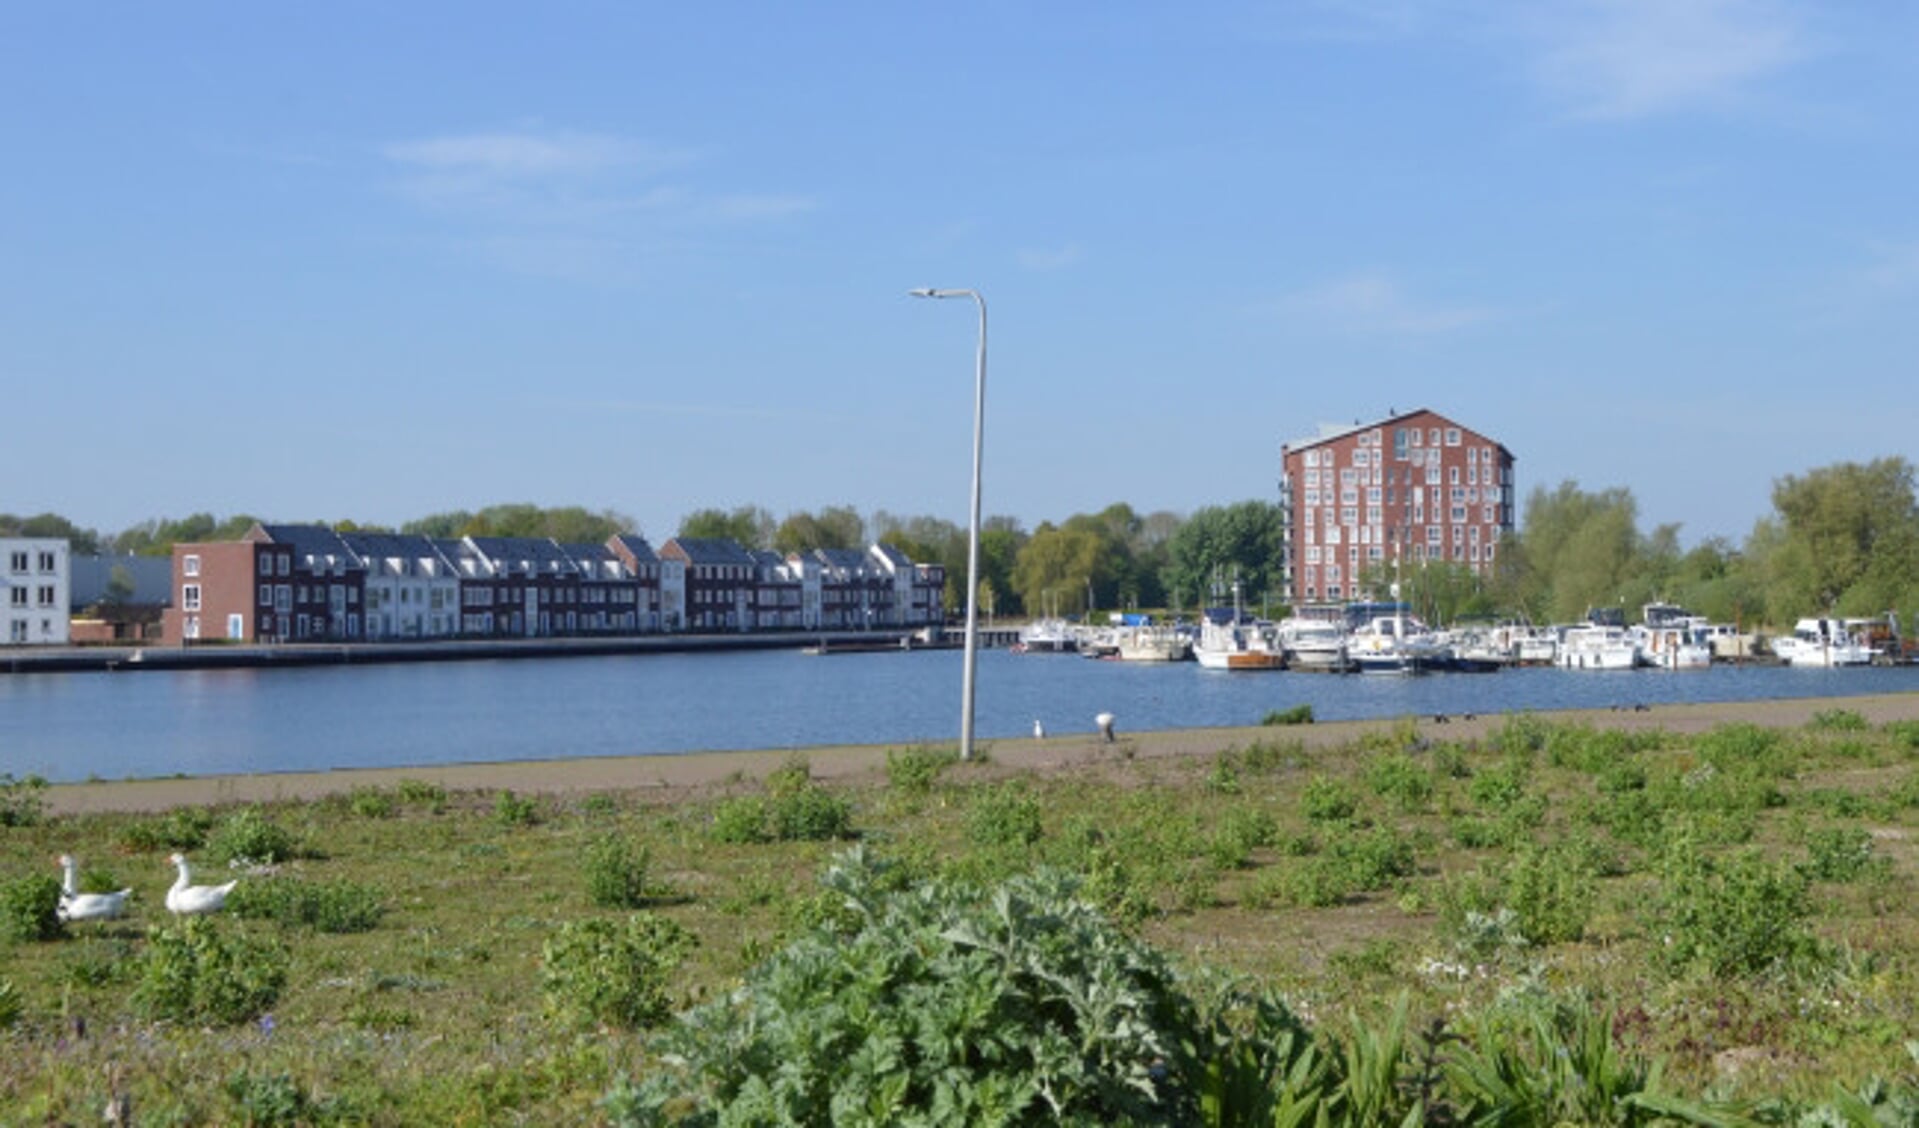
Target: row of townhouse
(34, 580)
(295, 583)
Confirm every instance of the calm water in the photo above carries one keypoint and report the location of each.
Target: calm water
(73, 726)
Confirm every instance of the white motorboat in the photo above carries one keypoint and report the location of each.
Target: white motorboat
(1154, 644)
(1314, 644)
(1047, 635)
(1238, 645)
(1396, 644)
(1673, 647)
(1821, 643)
(1592, 646)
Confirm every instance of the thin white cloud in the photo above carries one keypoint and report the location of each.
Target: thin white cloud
(1058, 258)
(1373, 304)
(526, 154)
(1622, 59)
(568, 204)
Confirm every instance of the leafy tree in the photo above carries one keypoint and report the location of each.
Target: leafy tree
(156, 537)
(84, 542)
(1246, 536)
(750, 525)
(1057, 567)
(836, 526)
(1847, 540)
(1581, 550)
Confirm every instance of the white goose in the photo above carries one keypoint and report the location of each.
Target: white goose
(185, 898)
(75, 905)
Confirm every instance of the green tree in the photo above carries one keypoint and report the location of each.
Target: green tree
(1220, 539)
(83, 542)
(1845, 539)
(750, 525)
(1057, 567)
(157, 536)
(1580, 550)
(836, 526)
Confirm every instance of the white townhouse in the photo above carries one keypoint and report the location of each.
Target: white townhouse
(412, 588)
(35, 581)
(917, 588)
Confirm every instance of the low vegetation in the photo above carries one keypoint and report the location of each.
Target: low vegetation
(1552, 923)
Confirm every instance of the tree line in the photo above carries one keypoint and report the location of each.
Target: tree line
(1841, 539)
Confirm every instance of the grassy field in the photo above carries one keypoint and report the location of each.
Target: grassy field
(1735, 903)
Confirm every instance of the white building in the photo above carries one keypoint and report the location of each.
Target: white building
(412, 589)
(35, 581)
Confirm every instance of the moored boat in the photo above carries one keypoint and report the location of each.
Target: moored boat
(1821, 643)
(1154, 644)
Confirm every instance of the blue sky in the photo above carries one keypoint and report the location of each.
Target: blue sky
(381, 260)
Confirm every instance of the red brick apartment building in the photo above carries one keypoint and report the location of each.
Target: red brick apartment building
(1412, 487)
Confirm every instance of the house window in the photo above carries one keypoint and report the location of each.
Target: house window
(190, 565)
(17, 562)
(190, 597)
(266, 595)
(46, 562)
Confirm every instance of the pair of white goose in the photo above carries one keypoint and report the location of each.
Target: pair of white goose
(184, 899)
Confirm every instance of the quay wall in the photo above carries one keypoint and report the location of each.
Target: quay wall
(214, 656)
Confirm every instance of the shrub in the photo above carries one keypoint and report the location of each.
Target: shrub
(949, 1003)
(1551, 892)
(183, 828)
(811, 813)
(1733, 915)
(1301, 714)
(1839, 854)
(914, 770)
(22, 800)
(196, 972)
(1261, 756)
(616, 873)
(11, 1007)
(422, 793)
(249, 834)
(741, 820)
(515, 810)
(324, 906)
(1327, 800)
(30, 909)
(612, 972)
(1499, 787)
(267, 1099)
(1838, 720)
(1397, 778)
(1223, 778)
(1008, 815)
(372, 803)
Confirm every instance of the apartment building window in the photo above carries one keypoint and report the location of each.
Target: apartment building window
(1312, 459)
(17, 562)
(1459, 514)
(19, 597)
(1399, 444)
(46, 562)
(1453, 477)
(190, 597)
(1434, 535)
(190, 565)
(1452, 436)
(1433, 437)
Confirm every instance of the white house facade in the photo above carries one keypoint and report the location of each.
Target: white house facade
(35, 586)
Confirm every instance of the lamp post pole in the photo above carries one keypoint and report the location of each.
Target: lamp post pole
(971, 664)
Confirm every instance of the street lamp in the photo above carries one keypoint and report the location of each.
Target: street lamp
(972, 543)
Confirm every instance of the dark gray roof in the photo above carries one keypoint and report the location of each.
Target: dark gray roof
(404, 546)
(641, 551)
(851, 559)
(892, 554)
(536, 554)
(312, 541)
(152, 578)
(712, 550)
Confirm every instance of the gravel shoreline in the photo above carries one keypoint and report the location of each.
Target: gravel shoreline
(671, 776)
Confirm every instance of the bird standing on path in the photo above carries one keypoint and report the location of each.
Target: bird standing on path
(1039, 730)
(186, 898)
(1105, 723)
